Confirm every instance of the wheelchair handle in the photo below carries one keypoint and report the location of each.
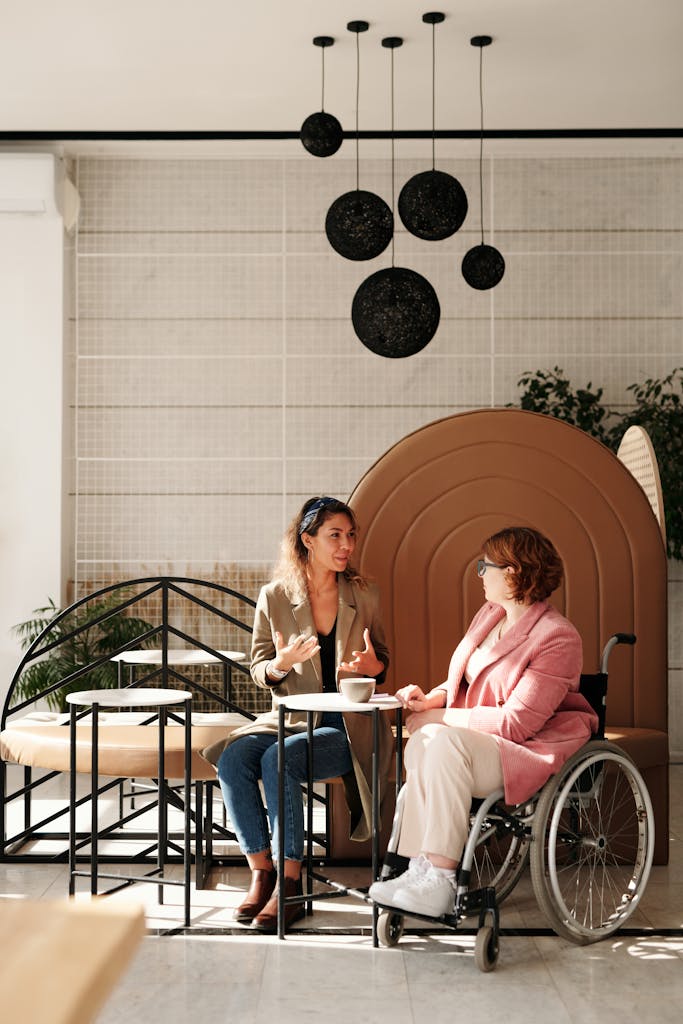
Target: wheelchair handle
(616, 638)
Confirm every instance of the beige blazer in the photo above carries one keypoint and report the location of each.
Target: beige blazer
(358, 609)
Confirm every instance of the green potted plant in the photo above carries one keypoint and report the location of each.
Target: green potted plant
(658, 409)
(73, 652)
(551, 393)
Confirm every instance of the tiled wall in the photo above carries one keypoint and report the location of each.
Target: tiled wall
(217, 379)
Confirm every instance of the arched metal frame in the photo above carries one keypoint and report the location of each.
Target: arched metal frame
(164, 675)
(158, 584)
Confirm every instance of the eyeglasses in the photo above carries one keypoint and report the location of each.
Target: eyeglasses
(483, 565)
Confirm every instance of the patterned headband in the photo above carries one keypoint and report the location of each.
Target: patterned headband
(312, 513)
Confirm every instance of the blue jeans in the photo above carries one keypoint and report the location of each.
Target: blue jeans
(254, 757)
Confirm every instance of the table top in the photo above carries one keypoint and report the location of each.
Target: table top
(196, 656)
(60, 960)
(136, 697)
(338, 702)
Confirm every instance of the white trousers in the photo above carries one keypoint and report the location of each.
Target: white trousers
(445, 767)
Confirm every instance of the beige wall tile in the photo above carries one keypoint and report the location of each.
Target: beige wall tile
(217, 381)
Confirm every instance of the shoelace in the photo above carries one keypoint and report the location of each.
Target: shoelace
(419, 866)
(432, 880)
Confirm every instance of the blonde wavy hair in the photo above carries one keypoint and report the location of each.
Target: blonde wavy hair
(290, 570)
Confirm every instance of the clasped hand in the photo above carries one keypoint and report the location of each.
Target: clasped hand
(427, 708)
(414, 698)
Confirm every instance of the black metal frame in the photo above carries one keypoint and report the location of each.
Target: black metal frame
(162, 808)
(11, 848)
(335, 889)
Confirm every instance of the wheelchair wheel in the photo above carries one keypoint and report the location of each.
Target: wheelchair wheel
(499, 859)
(593, 843)
(389, 927)
(486, 948)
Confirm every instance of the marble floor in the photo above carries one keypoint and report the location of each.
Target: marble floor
(216, 971)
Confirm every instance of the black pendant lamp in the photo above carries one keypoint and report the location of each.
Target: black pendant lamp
(321, 133)
(395, 311)
(483, 266)
(432, 204)
(359, 225)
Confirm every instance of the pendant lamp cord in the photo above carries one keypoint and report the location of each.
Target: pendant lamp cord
(393, 187)
(433, 96)
(322, 102)
(357, 102)
(481, 142)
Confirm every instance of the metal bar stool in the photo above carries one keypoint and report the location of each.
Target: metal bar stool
(161, 699)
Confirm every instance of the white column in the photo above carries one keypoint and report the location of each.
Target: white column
(31, 407)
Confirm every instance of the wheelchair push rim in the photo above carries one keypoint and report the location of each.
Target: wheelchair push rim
(593, 844)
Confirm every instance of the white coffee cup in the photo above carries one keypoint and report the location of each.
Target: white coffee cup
(358, 689)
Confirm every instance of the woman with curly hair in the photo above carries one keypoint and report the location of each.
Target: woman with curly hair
(318, 617)
(508, 715)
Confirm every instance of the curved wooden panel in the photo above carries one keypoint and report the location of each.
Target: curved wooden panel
(426, 506)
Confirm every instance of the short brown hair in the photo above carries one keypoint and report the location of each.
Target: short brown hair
(538, 567)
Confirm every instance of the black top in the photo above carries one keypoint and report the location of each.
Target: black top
(328, 660)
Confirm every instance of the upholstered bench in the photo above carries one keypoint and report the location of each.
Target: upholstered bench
(127, 748)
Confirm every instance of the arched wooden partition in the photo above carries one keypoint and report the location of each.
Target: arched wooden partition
(426, 506)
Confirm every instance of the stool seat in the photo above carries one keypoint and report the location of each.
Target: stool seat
(129, 698)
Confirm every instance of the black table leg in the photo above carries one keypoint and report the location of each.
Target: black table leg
(72, 799)
(188, 817)
(309, 812)
(161, 802)
(95, 785)
(375, 815)
(281, 822)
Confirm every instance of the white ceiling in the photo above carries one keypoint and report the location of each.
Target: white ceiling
(226, 66)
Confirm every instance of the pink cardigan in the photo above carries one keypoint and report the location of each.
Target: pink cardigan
(525, 695)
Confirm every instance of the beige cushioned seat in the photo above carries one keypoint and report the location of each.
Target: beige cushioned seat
(126, 749)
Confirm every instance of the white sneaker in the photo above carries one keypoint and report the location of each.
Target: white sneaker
(431, 893)
(383, 891)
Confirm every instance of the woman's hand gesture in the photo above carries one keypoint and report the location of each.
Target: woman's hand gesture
(300, 648)
(365, 662)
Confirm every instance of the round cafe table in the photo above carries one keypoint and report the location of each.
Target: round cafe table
(183, 658)
(310, 703)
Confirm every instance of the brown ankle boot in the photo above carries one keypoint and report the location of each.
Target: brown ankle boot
(266, 921)
(261, 889)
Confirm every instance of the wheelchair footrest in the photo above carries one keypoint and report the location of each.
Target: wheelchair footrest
(450, 920)
(478, 901)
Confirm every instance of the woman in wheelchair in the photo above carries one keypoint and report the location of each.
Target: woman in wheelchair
(508, 716)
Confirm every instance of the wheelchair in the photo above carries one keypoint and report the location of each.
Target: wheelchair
(588, 836)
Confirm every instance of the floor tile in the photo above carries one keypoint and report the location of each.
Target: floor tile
(218, 971)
